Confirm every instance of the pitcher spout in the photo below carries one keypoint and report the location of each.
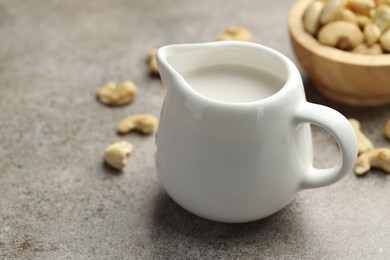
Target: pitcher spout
(172, 62)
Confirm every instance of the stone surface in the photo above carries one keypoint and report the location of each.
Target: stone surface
(59, 201)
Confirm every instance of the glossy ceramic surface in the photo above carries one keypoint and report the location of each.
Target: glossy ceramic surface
(238, 162)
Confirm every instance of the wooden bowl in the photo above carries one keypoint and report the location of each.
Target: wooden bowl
(350, 78)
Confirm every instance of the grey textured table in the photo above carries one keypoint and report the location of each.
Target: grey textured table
(59, 201)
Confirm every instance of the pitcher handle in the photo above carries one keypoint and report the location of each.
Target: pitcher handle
(336, 124)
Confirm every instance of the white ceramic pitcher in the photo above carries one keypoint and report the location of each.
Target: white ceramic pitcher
(240, 161)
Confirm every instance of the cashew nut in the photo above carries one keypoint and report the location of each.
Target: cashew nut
(364, 144)
(311, 17)
(143, 123)
(330, 10)
(372, 33)
(117, 153)
(374, 49)
(378, 158)
(347, 15)
(382, 17)
(362, 20)
(235, 33)
(110, 94)
(153, 62)
(363, 7)
(387, 130)
(382, 2)
(341, 34)
(385, 40)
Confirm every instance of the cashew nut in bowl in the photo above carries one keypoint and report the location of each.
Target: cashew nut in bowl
(377, 158)
(347, 15)
(385, 40)
(362, 20)
(311, 16)
(363, 7)
(375, 49)
(372, 33)
(382, 17)
(364, 144)
(330, 10)
(382, 2)
(341, 34)
(143, 123)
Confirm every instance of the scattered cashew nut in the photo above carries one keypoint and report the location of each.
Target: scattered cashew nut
(143, 123)
(341, 34)
(116, 154)
(235, 33)
(387, 130)
(110, 94)
(378, 158)
(153, 62)
(364, 144)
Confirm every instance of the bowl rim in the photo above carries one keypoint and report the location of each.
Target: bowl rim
(327, 52)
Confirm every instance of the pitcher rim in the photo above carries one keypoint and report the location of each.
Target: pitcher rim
(292, 73)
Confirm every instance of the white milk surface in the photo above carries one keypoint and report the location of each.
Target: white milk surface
(233, 83)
